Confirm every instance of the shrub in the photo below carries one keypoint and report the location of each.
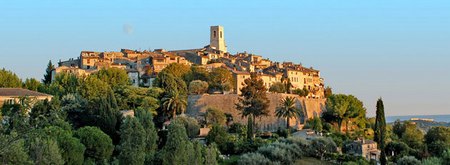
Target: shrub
(321, 146)
(301, 92)
(198, 87)
(446, 157)
(254, 159)
(275, 154)
(281, 152)
(293, 150)
(218, 135)
(431, 161)
(302, 143)
(214, 116)
(408, 160)
(190, 124)
(278, 87)
(239, 129)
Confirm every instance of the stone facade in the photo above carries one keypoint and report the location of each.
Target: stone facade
(143, 66)
(197, 105)
(217, 40)
(365, 148)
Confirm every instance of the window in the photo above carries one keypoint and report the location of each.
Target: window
(214, 34)
(220, 34)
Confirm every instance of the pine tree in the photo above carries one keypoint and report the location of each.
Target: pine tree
(132, 142)
(253, 101)
(48, 73)
(380, 130)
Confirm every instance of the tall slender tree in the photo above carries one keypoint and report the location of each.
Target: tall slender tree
(288, 110)
(132, 142)
(253, 101)
(380, 130)
(178, 149)
(48, 73)
(151, 136)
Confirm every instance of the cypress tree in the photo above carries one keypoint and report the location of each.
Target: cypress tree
(151, 136)
(48, 73)
(178, 149)
(380, 130)
(132, 142)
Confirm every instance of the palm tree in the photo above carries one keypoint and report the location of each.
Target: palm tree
(288, 110)
(174, 103)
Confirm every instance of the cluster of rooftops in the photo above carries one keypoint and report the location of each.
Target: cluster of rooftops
(143, 66)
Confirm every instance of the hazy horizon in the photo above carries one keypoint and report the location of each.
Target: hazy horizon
(397, 50)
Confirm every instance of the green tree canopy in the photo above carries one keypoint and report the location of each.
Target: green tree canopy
(190, 124)
(219, 136)
(115, 77)
(12, 149)
(177, 70)
(98, 145)
(132, 142)
(64, 83)
(171, 84)
(72, 151)
(151, 136)
(438, 140)
(413, 136)
(278, 87)
(178, 149)
(45, 151)
(197, 73)
(343, 109)
(220, 79)
(9, 79)
(75, 106)
(32, 84)
(94, 89)
(130, 97)
(198, 87)
(214, 116)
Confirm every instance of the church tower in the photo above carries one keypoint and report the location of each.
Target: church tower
(217, 39)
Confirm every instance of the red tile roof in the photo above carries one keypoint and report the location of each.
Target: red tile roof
(19, 92)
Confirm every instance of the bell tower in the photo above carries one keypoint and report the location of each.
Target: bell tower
(217, 39)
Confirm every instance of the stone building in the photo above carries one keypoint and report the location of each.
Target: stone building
(143, 66)
(217, 38)
(365, 148)
(14, 95)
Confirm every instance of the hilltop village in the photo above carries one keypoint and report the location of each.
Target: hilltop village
(198, 106)
(143, 66)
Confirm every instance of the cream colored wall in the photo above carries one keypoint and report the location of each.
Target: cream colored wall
(16, 99)
(269, 80)
(296, 78)
(239, 81)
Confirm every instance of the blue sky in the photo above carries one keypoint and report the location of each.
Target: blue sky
(395, 49)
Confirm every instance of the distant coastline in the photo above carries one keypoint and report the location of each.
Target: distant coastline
(436, 118)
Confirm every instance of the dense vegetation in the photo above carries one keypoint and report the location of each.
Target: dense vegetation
(84, 124)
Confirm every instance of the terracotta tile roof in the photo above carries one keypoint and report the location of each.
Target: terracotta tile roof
(19, 92)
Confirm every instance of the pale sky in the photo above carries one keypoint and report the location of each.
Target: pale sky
(398, 50)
